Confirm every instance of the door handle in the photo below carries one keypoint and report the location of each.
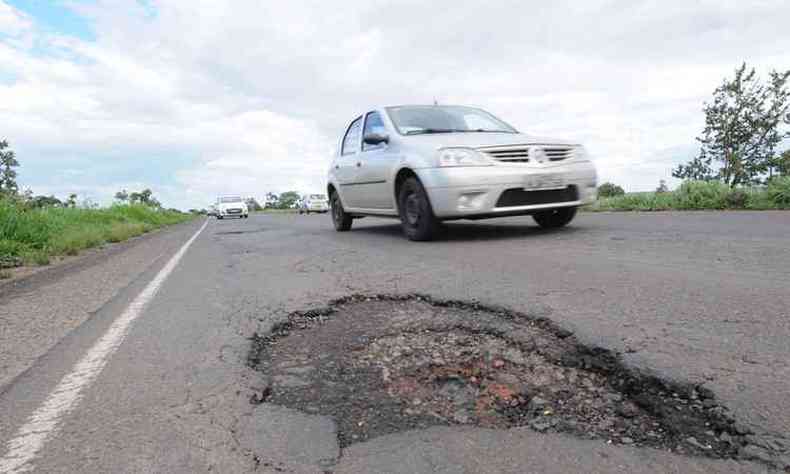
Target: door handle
(359, 163)
(337, 167)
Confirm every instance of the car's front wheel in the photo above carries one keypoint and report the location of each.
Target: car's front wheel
(340, 218)
(416, 215)
(555, 218)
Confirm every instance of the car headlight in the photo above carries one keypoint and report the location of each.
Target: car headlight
(461, 157)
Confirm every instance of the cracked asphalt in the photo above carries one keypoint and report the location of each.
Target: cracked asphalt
(699, 297)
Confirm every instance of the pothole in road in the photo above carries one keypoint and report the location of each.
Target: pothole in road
(385, 364)
(239, 232)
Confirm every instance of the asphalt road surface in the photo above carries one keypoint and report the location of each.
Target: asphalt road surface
(132, 358)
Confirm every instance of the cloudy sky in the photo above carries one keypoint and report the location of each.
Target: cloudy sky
(195, 98)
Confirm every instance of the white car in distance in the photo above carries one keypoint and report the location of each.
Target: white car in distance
(313, 203)
(232, 206)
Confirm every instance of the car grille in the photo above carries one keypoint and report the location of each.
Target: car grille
(519, 197)
(234, 211)
(520, 153)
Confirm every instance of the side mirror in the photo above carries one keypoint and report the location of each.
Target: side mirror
(375, 138)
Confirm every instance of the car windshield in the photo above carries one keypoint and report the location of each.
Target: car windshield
(229, 199)
(422, 119)
(317, 196)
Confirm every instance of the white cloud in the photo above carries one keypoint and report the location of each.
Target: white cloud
(12, 21)
(250, 96)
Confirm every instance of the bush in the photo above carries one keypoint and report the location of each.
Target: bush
(779, 191)
(702, 195)
(36, 234)
(737, 199)
(610, 190)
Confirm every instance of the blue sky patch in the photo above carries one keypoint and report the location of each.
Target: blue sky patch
(56, 16)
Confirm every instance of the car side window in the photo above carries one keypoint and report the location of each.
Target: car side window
(351, 140)
(373, 124)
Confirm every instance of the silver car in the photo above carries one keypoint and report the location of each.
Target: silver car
(426, 164)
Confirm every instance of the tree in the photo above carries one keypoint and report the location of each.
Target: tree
(609, 190)
(742, 129)
(146, 197)
(8, 162)
(271, 200)
(781, 164)
(45, 201)
(662, 187)
(122, 195)
(288, 199)
(252, 204)
(72, 200)
(698, 169)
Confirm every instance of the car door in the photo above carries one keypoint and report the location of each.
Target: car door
(347, 165)
(375, 166)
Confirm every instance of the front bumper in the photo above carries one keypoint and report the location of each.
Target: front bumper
(233, 212)
(490, 191)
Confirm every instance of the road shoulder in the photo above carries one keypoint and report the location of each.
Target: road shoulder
(79, 287)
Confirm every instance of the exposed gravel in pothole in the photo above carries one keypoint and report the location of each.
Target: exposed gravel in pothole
(384, 364)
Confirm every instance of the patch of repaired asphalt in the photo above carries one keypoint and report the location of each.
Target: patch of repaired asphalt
(384, 364)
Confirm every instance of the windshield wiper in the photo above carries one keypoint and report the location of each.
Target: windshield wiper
(433, 130)
(454, 130)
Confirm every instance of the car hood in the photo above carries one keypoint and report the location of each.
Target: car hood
(475, 140)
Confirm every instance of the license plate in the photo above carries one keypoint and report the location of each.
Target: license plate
(544, 181)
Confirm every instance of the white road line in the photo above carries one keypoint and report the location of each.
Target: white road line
(32, 436)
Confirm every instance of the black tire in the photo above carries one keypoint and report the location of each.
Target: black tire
(416, 215)
(340, 218)
(555, 218)
(220, 217)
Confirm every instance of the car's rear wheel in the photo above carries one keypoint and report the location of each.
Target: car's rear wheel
(340, 218)
(416, 215)
(555, 218)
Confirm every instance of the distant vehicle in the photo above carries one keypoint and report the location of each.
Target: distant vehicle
(231, 206)
(212, 210)
(426, 164)
(313, 203)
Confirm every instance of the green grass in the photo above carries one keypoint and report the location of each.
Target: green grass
(36, 235)
(698, 195)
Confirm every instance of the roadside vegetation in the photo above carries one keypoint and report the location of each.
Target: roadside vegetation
(33, 229)
(286, 201)
(33, 235)
(693, 195)
(738, 165)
